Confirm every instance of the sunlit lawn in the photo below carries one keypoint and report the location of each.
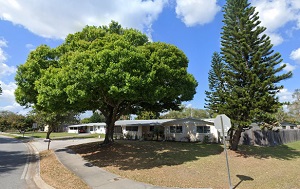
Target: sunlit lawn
(195, 165)
(57, 135)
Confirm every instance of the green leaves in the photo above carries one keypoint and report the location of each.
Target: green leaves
(103, 67)
(253, 70)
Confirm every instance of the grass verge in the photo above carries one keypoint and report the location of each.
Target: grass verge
(56, 175)
(195, 165)
(54, 135)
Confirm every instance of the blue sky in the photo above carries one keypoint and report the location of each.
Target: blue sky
(192, 25)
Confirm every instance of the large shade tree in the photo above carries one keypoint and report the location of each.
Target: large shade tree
(111, 69)
(252, 72)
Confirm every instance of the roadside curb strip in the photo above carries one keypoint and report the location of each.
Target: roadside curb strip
(41, 183)
(37, 178)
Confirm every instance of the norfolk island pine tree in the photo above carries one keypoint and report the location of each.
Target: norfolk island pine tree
(251, 71)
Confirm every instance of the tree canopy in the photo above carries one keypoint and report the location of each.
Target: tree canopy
(251, 71)
(10, 120)
(96, 117)
(187, 112)
(142, 115)
(111, 69)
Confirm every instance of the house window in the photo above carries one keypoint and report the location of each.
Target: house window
(132, 128)
(175, 129)
(118, 129)
(203, 129)
(283, 127)
(151, 128)
(91, 128)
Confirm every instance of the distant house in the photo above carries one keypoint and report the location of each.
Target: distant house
(287, 125)
(187, 129)
(88, 128)
(61, 128)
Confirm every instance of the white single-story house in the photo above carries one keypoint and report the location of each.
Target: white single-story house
(190, 129)
(87, 128)
(187, 129)
(287, 125)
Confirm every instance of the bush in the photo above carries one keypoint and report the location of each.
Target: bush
(206, 139)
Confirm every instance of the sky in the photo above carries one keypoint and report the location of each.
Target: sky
(194, 26)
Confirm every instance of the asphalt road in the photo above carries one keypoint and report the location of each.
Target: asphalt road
(17, 164)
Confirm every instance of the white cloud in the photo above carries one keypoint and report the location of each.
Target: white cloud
(295, 55)
(30, 46)
(193, 12)
(16, 108)
(44, 18)
(3, 43)
(8, 90)
(276, 39)
(86, 114)
(275, 14)
(288, 67)
(5, 70)
(285, 95)
(7, 99)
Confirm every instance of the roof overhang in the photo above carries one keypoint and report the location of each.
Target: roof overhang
(188, 122)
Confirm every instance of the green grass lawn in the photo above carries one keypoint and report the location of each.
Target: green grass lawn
(55, 135)
(195, 165)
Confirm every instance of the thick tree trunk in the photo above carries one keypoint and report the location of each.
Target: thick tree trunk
(112, 114)
(236, 138)
(110, 126)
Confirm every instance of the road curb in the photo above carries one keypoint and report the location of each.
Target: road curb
(37, 178)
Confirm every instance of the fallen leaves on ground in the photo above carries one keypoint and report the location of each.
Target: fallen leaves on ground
(57, 175)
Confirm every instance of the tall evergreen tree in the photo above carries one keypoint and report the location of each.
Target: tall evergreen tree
(216, 84)
(252, 69)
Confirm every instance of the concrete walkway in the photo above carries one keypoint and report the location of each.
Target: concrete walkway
(94, 176)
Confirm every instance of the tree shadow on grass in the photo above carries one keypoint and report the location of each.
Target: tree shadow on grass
(282, 152)
(132, 155)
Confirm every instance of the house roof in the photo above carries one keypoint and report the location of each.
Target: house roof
(288, 124)
(141, 122)
(151, 122)
(187, 121)
(88, 124)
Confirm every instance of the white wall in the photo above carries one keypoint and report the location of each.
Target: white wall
(97, 129)
(190, 133)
